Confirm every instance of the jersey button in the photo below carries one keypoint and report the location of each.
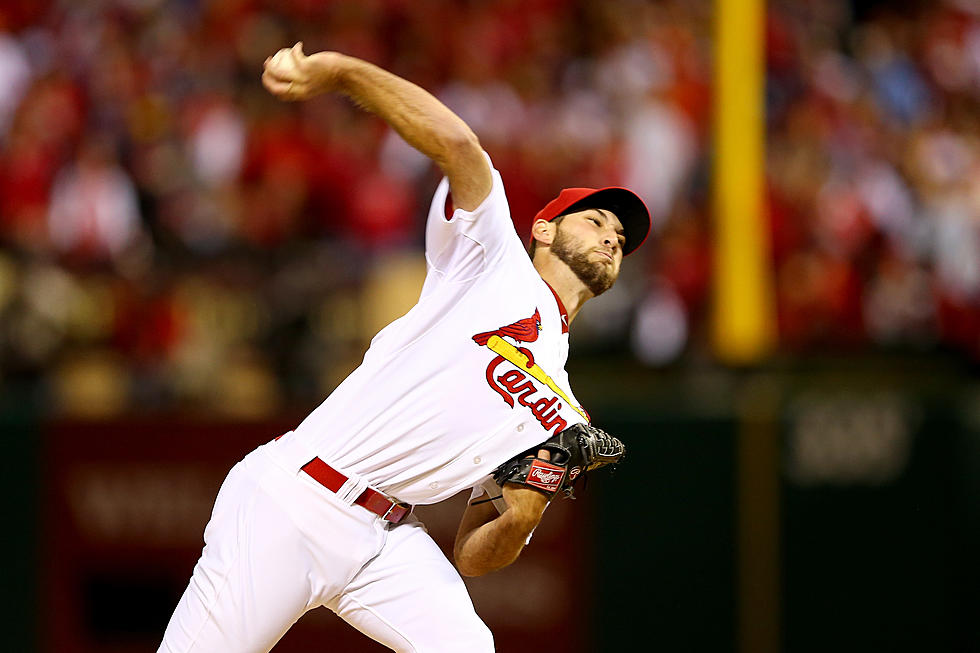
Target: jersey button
(520, 428)
(434, 485)
(477, 460)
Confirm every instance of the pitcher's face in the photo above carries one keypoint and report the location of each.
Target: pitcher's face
(591, 242)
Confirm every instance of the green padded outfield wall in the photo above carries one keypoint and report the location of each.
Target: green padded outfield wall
(665, 535)
(879, 517)
(19, 487)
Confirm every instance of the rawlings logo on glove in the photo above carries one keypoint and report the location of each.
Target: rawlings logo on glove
(577, 449)
(545, 476)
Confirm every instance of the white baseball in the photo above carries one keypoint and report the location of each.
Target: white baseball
(282, 62)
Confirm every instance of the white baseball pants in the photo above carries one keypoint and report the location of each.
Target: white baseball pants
(279, 544)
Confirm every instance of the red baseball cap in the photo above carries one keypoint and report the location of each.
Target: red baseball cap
(626, 204)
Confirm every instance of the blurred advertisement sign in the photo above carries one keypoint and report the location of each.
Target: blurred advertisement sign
(844, 440)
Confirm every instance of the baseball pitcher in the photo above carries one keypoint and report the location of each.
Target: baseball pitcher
(468, 390)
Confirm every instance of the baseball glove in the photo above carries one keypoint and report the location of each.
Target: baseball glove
(576, 450)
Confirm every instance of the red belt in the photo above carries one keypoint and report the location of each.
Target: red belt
(373, 500)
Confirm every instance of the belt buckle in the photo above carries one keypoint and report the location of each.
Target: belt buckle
(388, 511)
(394, 505)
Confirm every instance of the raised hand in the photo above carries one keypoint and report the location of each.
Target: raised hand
(290, 74)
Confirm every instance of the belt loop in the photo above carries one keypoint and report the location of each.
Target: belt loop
(352, 488)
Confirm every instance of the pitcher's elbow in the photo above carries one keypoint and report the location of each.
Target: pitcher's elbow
(468, 567)
(459, 146)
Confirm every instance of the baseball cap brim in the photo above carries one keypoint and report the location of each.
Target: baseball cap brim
(627, 205)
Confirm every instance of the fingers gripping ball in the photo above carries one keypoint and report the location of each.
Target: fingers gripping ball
(576, 450)
(289, 75)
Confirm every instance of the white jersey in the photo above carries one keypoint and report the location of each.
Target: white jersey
(471, 376)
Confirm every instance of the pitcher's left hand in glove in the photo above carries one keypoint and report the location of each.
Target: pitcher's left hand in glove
(579, 448)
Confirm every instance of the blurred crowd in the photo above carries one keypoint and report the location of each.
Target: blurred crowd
(874, 173)
(171, 235)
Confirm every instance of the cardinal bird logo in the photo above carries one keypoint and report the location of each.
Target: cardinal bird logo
(516, 386)
(525, 330)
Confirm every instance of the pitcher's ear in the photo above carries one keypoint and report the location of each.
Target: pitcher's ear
(544, 231)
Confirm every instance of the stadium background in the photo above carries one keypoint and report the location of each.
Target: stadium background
(188, 266)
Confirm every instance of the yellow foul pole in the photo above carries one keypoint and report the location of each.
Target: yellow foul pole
(743, 322)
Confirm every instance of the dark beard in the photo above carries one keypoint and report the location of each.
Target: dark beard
(596, 276)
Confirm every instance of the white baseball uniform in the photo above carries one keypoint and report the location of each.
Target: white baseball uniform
(471, 376)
